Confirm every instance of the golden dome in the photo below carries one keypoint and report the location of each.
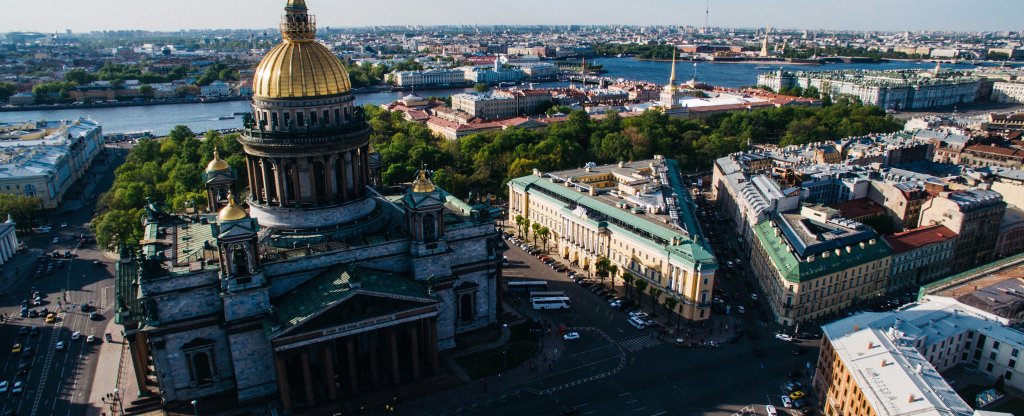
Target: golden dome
(423, 184)
(231, 212)
(299, 67)
(217, 164)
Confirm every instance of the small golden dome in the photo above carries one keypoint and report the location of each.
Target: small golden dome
(231, 212)
(299, 67)
(217, 164)
(423, 184)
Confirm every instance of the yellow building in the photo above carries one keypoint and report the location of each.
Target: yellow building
(636, 214)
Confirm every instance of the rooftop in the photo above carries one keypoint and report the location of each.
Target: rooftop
(919, 237)
(821, 258)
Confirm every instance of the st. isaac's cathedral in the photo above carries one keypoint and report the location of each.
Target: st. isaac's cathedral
(317, 287)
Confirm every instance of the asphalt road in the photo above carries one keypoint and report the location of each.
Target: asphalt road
(615, 369)
(59, 381)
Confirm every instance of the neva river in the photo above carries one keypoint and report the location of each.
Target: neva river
(200, 117)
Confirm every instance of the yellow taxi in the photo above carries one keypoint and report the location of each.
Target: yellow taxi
(16, 349)
(51, 318)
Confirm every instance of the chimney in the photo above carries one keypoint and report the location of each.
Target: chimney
(911, 399)
(871, 345)
(885, 362)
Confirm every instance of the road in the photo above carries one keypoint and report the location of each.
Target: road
(59, 382)
(615, 369)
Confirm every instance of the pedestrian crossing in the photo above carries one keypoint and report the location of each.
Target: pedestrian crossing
(639, 343)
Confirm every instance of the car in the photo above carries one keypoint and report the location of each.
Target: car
(18, 388)
(27, 351)
(650, 323)
(741, 310)
(63, 225)
(51, 318)
(24, 312)
(84, 307)
(33, 314)
(56, 240)
(792, 386)
(23, 330)
(571, 336)
(638, 314)
(59, 346)
(783, 337)
(4, 387)
(786, 402)
(91, 339)
(753, 297)
(16, 349)
(76, 335)
(34, 331)
(24, 368)
(728, 264)
(799, 394)
(637, 323)
(95, 316)
(67, 254)
(770, 410)
(96, 263)
(800, 403)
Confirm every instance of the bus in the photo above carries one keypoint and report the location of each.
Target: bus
(547, 294)
(527, 285)
(560, 302)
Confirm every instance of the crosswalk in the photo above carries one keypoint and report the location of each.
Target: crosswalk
(639, 343)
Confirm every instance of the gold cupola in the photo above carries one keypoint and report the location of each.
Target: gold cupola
(231, 212)
(299, 67)
(423, 184)
(217, 164)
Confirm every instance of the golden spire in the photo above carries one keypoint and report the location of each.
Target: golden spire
(296, 5)
(423, 184)
(672, 78)
(231, 212)
(217, 163)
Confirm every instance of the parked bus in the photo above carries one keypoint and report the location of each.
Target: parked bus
(527, 285)
(561, 302)
(547, 294)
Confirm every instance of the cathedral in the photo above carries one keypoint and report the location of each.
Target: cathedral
(305, 286)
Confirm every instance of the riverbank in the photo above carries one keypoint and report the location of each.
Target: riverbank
(119, 104)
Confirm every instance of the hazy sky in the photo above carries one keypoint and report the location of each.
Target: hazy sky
(88, 15)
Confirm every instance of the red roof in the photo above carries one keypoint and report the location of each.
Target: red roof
(859, 208)
(1002, 151)
(919, 237)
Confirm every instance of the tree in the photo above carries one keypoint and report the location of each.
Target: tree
(603, 266)
(544, 234)
(612, 271)
(627, 279)
(536, 228)
(670, 303)
(641, 286)
(146, 91)
(22, 208)
(654, 292)
(520, 220)
(79, 76)
(7, 89)
(481, 87)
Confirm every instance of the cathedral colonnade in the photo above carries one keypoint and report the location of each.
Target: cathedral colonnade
(331, 370)
(309, 181)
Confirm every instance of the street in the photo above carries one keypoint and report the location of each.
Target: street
(616, 369)
(58, 382)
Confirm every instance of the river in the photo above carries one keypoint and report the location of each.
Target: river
(200, 117)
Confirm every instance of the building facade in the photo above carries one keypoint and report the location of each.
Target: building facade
(813, 263)
(975, 216)
(896, 90)
(323, 289)
(428, 78)
(48, 167)
(637, 215)
(920, 256)
(1008, 92)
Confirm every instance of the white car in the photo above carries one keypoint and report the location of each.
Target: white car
(4, 386)
(63, 225)
(638, 314)
(18, 387)
(786, 402)
(753, 297)
(784, 337)
(741, 310)
(60, 346)
(76, 335)
(637, 322)
(571, 336)
(56, 240)
(91, 339)
(770, 410)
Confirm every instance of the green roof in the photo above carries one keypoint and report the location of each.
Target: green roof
(959, 278)
(335, 284)
(623, 221)
(796, 271)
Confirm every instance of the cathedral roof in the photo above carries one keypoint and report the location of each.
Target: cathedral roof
(231, 212)
(217, 164)
(299, 67)
(423, 184)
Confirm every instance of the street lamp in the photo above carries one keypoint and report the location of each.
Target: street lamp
(195, 407)
(117, 398)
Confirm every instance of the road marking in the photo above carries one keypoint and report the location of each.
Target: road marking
(639, 343)
(50, 350)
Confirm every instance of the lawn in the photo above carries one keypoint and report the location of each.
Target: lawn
(521, 346)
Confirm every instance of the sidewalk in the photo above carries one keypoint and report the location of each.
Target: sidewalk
(111, 373)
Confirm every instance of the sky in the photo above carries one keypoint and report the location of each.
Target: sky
(170, 15)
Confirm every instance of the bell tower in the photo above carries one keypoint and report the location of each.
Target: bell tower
(424, 215)
(220, 181)
(237, 243)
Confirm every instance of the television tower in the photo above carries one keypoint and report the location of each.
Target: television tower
(707, 14)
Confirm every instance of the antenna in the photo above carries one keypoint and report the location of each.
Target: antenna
(707, 13)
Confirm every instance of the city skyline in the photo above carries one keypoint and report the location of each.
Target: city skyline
(854, 15)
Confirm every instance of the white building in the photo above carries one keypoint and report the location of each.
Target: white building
(216, 89)
(1008, 92)
(435, 77)
(896, 90)
(48, 167)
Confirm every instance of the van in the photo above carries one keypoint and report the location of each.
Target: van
(637, 322)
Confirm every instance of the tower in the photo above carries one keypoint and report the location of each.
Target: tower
(424, 215)
(671, 94)
(220, 181)
(764, 46)
(307, 149)
(237, 243)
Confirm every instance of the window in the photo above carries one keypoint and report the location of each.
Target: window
(992, 355)
(1008, 374)
(1012, 363)
(198, 354)
(988, 368)
(1014, 353)
(995, 344)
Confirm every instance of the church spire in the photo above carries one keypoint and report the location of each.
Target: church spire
(672, 78)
